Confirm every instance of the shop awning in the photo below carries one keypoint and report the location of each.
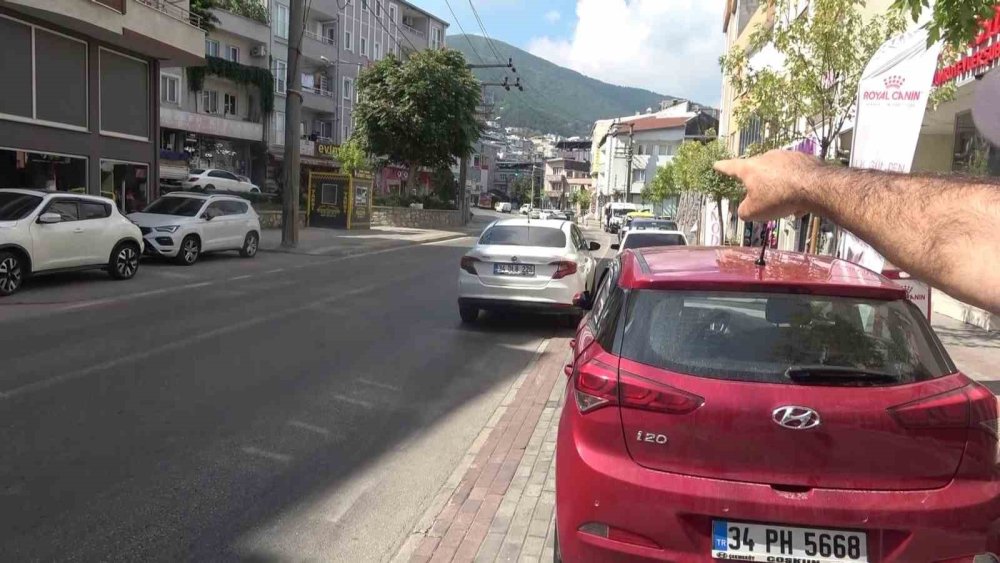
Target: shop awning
(312, 161)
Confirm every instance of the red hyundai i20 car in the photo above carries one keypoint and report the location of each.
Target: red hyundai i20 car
(798, 411)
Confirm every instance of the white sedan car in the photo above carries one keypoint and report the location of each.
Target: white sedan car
(644, 239)
(213, 179)
(48, 232)
(183, 225)
(526, 264)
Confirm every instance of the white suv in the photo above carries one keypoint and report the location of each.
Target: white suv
(46, 232)
(182, 225)
(214, 179)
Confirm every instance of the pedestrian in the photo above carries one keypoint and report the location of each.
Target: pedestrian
(944, 230)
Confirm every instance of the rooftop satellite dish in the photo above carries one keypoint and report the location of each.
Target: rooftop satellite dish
(985, 110)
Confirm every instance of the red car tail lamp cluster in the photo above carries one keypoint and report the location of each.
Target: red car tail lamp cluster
(597, 385)
(972, 406)
(563, 268)
(602, 530)
(469, 264)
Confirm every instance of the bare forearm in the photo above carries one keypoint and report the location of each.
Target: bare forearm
(942, 230)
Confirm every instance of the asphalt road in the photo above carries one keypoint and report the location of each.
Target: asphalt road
(287, 407)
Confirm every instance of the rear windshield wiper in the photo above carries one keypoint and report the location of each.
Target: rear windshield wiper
(819, 374)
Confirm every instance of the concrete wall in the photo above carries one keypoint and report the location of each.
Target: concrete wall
(944, 304)
(272, 219)
(415, 218)
(934, 153)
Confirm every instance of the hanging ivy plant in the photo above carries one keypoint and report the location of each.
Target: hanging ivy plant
(242, 74)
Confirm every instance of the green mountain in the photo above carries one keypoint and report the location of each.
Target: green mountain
(555, 99)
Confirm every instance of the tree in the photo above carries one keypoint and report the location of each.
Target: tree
(352, 157)
(957, 22)
(693, 170)
(520, 189)
(661, 186)
(421, 112)
(584, 198)
(202, 16)
(824, 56)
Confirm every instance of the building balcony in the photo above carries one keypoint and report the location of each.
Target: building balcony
(555, 177)
(211, 124)
(243, 26)
(319, 100)
(318, 48)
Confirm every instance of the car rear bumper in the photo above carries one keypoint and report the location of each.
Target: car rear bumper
(598, 482)
(554, 295)
(519, 305)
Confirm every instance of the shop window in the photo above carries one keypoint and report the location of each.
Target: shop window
(329, 194)
(125, 183)
(230, 104)
(169, 89)
(42, 171)
(124, 95)
(210, 101)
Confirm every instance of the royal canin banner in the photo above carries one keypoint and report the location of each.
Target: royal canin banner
(892, 99)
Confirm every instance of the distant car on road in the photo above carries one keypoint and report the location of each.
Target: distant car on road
(525, 209)
(49, 232)
(719, 409)
(635, 239)
(182, 225)
(209, 179)
(634, 216)
(502, 207)
(522, 264)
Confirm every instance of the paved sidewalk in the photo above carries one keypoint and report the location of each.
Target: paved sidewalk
(975, 351)
(339, 242)
(498, 504)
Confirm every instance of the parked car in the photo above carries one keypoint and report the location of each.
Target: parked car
(524, 264)
(49, 232)
(210, 179)
(558, 216)
(635, 239)
(502, 207)
(254, 188)
(183, 225)
(631, 218)
(525, 209)
(802, 410)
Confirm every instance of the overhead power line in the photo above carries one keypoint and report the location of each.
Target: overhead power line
(464, 34)
(489, 42)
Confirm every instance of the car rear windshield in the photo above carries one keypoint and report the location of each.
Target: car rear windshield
(197, 171)
(183, 206)
(645, 240)
(662, 225)
(15, 206)
(524, 235)
(758, 337)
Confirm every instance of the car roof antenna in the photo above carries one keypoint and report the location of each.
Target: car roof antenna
(765, 236)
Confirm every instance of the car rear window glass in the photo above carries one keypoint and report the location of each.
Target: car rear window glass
(94, 210)
(182, 206)
(197, 171)
(524, 235)
(661, 225)
(758, 337)
(15, 206)
(645, 240)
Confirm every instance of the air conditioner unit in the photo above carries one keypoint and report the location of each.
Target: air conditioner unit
(259, 51)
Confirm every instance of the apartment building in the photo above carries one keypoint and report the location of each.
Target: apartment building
(78, 108)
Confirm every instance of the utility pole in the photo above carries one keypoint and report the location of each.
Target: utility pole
(628, 156)
(293, 112)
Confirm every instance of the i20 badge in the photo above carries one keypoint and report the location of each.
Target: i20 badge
(651, 437)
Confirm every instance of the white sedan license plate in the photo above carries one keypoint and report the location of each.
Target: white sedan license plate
(526, 270)
(741, 541)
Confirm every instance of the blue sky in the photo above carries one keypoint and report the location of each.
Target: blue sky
(668, 46)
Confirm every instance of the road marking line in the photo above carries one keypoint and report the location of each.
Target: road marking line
(237, 278)
(266, 454)
(275, 271)
(378, 384)
(178, 344)
(309, 427)
(347, 399)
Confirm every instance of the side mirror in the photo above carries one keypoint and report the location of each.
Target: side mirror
(50, 218)
(592, 246)
(582, 301)
(616, 246)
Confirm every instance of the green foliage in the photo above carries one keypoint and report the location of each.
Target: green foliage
(555, 99)
(661, 186)
(520, 188)
(825, 56)
(201, 12)
(352, 157)
(954, 21)
(692, 170)
(418, 112)
(443, 184)
(252, 9)
(242, 74)
(584, 198)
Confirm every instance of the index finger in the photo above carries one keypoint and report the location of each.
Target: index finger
(732, 167)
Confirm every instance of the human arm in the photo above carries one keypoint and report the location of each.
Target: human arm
(942, 230)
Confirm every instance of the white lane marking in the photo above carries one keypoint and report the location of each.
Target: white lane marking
(309, 427)
(178, 344)
(237, 278)
(266, 454)
(275, 271)
(378, 384)
(352, 401)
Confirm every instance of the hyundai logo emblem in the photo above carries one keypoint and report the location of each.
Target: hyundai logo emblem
(796, 418)
(513, 259)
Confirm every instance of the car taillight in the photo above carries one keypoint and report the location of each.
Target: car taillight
(563, 268)
(972, 406)
(469, 264)
(596, 386)
(193, 179)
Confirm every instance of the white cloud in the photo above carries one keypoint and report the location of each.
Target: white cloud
(552, 16)
(668, 46)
